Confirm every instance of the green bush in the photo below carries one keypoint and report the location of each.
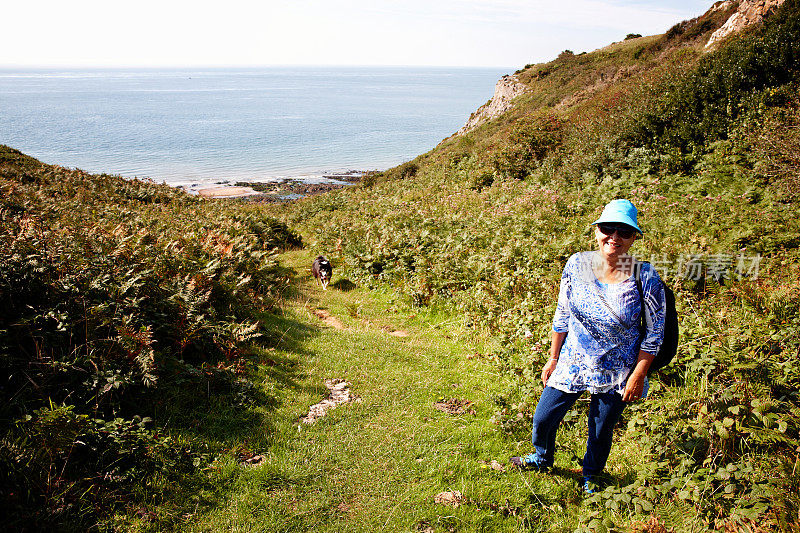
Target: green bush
(406, 170)
(701, 107)
(113, 294)
(529, 144)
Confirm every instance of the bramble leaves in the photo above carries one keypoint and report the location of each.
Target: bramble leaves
(106, 284)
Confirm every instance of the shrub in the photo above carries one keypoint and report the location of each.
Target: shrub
(529, 143)
(105, 284)
(700, 107)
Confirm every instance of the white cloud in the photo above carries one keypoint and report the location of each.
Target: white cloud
(242, 32)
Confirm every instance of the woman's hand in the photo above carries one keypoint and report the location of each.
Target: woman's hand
(634, 387)
(635, 384)
(548, 369)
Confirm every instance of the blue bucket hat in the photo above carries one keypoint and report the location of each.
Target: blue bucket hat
(620, 212)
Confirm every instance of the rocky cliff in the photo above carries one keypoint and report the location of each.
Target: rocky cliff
(749, 12)
(745, 13)
(508, 88)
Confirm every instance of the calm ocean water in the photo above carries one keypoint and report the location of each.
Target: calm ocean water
(199, 126)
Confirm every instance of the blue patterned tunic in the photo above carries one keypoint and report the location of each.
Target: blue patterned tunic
(602, 325)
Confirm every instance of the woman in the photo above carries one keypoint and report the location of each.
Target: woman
(596, 344)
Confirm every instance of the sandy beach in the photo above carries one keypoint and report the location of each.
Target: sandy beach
(226, 192)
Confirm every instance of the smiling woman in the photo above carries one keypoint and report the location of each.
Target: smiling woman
(615, 231)
(597, 346)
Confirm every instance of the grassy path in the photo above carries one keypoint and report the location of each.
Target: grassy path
(376, 464)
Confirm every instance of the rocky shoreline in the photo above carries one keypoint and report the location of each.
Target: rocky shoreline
(285, 190)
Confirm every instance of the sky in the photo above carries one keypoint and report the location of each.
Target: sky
(179, 33)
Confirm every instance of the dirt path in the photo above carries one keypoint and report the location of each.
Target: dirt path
(381, 414)
(328, 319)
(335, 323)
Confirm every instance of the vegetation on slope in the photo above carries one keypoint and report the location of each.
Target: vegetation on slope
(705, 146)
(123, 302)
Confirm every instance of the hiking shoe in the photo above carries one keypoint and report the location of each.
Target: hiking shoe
(589, 485)
(529, 462)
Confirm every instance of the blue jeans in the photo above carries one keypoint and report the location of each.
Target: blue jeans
(605, 410)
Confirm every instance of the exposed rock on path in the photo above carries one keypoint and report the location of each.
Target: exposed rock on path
(494, 465)
(452, 498)
(338, 393)
(328, 319)
(256, 460)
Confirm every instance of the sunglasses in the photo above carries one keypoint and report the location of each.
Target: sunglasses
(625, 232)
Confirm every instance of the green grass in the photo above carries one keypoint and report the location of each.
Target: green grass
(377, 464)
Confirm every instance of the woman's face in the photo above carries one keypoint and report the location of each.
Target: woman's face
(610, 242)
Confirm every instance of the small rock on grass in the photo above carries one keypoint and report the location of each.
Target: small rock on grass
(255, 460)
(494, 465)
(452, 498)
(455, 406)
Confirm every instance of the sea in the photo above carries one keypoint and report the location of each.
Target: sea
(190, 127)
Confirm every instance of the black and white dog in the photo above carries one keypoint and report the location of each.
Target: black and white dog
(322, 270)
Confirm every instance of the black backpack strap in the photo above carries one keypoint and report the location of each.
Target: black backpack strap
(669, 344)
(637, 270)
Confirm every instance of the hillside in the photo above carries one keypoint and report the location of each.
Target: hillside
(158, 351)
(704, 140)
(128, 313)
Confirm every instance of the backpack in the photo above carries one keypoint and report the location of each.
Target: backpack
(669, 346)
